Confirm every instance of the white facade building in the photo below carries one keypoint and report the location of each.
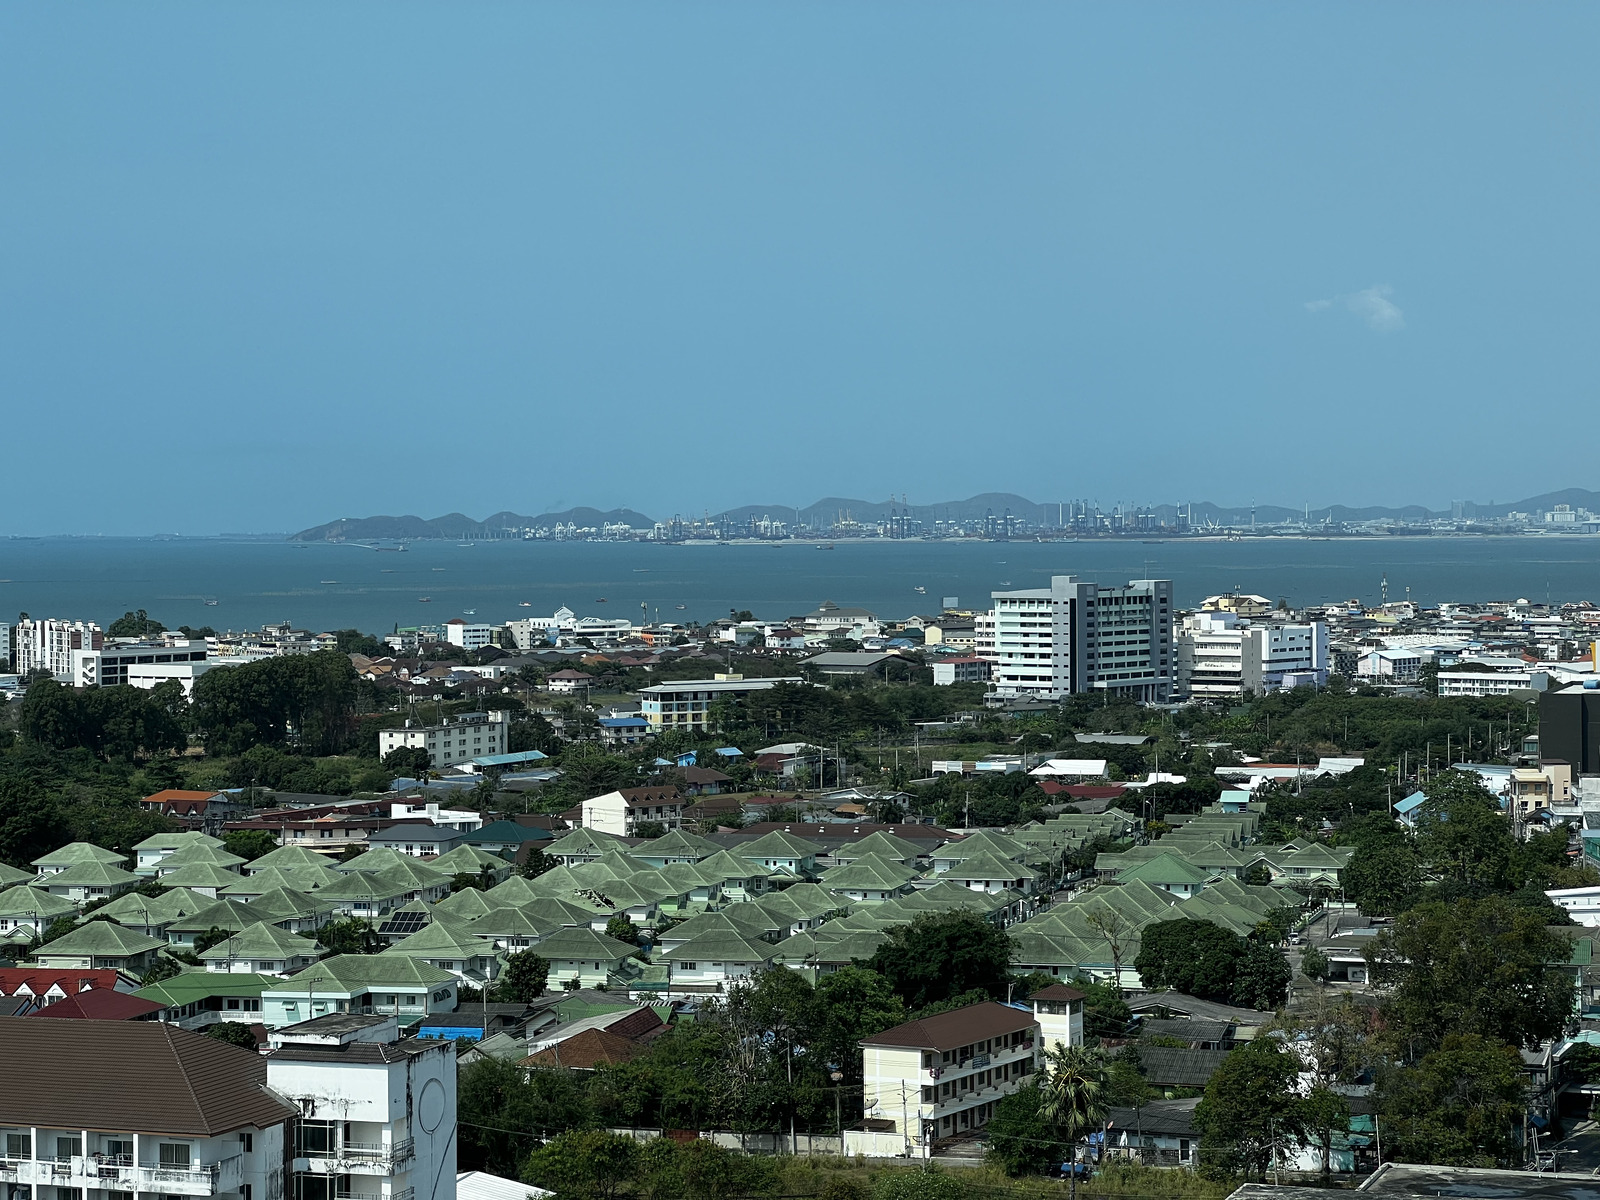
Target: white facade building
(136, 1108)
(1222, 654)
(968, 669)
(468, 636)
(142, 664)
(460, 739)
(378, 1112)
(1075, 636)
(1491, 683)
(686, 703)
(47, 645)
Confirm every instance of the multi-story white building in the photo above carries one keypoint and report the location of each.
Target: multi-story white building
(622, 812)
(967, 669)
(142, 664)
(377, 1112)
(459, 739)
(686, 703)
(137, 1108)
(1075, 636)
(47, 645)
(1223, 654)
(1492, 683)
(941, 1076)
(468, 636)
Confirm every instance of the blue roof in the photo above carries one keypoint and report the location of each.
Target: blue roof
(1410, 802)
(508, 760)
(624, 723)
(729, 752)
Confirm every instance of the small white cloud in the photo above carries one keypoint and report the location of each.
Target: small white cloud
(1372, 305)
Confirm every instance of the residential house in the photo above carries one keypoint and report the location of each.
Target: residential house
(402, 987)
(623, 811)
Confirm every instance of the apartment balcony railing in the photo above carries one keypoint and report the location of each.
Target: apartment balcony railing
(119, 1173)
(362, 1158)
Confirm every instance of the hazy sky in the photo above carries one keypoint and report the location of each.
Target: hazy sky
(264, 265)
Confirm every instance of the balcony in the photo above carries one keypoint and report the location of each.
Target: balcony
(118, 1173)
(358, 1158)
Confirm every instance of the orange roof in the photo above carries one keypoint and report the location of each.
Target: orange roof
(169, 794)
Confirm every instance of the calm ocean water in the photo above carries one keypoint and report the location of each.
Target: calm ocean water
(257, 582)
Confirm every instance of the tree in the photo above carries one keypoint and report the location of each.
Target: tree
(353, 641)
(1072, 1095)
(1325, 1114)
(1261, 978)
(249, 844)
(939, 955)
(500, 1104)
(536, 863)
(921, 1183)
(1198, 958)
(351, 935)
(1111, 925)
(852, 1003)
(623, 929)
(214, 936)
(162, 968)
(135, 625)
(1383, 876)
(591, 1164)
(1314, 963)
(1461, 833)
(523, 979)
(1250, 1106)
(1486, 967)
(234, 1034)
(1461, 1105)
(411, 761)
(1021, 1140)
(1259, 875)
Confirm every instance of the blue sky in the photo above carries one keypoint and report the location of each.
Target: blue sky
(267, 265)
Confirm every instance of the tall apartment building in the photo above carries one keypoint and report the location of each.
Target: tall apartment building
(1075, 636)
(142, 664)
(459, 739)
(687, 703)
(47, 644)
(377, 1111)
(468, 635)
(1222, 654)
(137, 1108)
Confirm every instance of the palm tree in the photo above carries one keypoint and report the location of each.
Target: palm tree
(1073, 1095)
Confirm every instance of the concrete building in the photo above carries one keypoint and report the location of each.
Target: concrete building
(686, 704)
(1220, 654)
(970, 669)
(1491, 683)
(137, 1108)
(941, 1076)
(141, 664)
(467, 635)
(1398, 665)
(377, 1111)
(1075, 636)
(460, 739)
(621, 812)
(47, 645)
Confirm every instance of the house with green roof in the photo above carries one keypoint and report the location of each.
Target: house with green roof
(505, 838)
(89, 880)
(206, 878)
(869, 880)
(151, 915)
(511, 929)
(784, 852)
(444, 945)
(26, 912)
(101, 945)
(988, 872)
(309, 879)
(215, 914)
(470, 903)
(290, 910)
(261, 949)
(583, 845)
(804, 906)
(158, 846)
(819, 953)
(195, 999)
(74, 854)
(1167, 872)
(469, 860)
(197, 851)
(287, 857)
(591, 958)
(880, 845)
(746, 921)
(715, 959)
(686, 879)
(394, 984)
(418, 881)
(11, 876)
(674, 846)
(738, 878)
(974, 844)
(367, 894)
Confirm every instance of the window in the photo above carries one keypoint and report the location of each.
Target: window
(175, 1154)
(314, 1138)
(120, 1150)
(248, 1142)
(69, 1147)
(19, 1145)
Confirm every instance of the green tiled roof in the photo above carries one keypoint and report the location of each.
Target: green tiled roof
(442, 940)
(468, 860)
(198, 852)
(74, 853)
(200, 874)
(164, 841)
(721, 946)
(284, 904)
(24, 901)
(584, 841)
(1164, 868)
(300, 879)
(216, 914)
(91, 873)
(677, 844)
(885, 845)
(104, 938)
(289, 856)
(356, 972)
(262, 941)
(10, 875)
(571, 944)
(870, 873)
(193, 986)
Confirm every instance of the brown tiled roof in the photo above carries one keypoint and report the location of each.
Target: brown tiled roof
(650, 795)
(127, 1076)
(100, 1004)
(587, 1050)
(1057, 991)
(38, 980)
(954, 1029)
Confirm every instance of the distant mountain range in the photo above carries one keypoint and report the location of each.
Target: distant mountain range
(835, 509)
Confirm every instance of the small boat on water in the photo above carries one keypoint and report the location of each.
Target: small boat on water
(602, 600)
(211, 603)
(525, 604)
(327, 581)
(921, 591)
(469, 612)
(423, 599)
(682, 606)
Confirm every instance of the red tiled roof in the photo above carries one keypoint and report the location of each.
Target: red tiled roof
(587, 1050)
(168, 795)
(1057, 991)
(99, 1004)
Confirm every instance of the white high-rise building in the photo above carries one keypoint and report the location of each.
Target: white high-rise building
(1075, 636)
(1223, 654)
(47, 645)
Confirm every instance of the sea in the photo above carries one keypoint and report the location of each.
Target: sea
(242, 584)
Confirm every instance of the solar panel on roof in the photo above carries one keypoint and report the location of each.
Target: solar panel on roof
(402, 924)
